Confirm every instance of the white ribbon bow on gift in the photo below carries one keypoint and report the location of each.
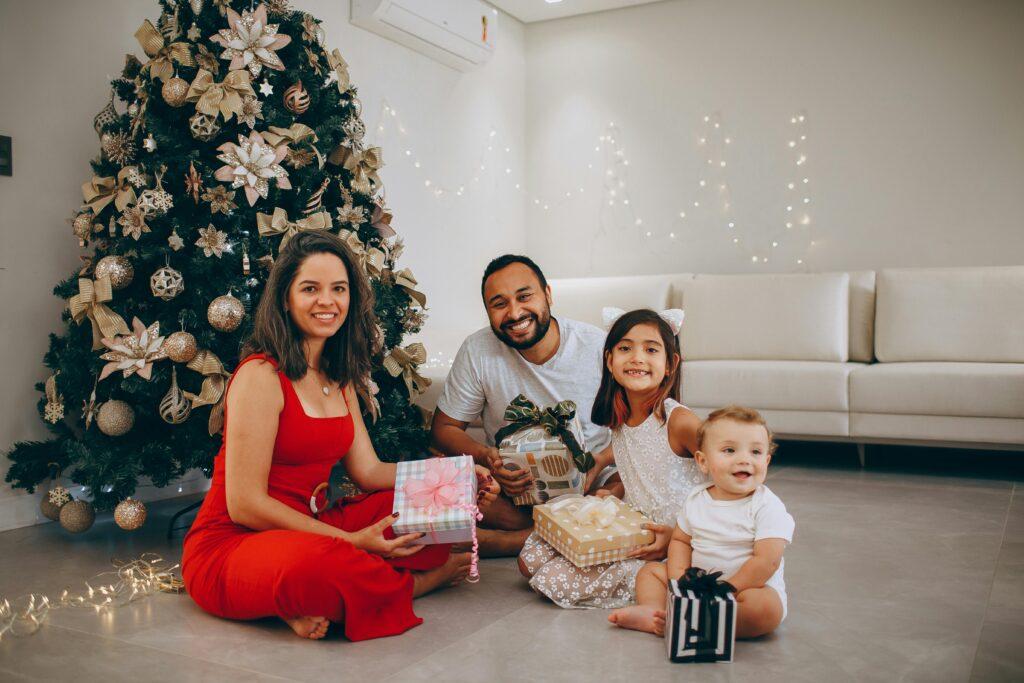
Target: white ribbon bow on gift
(672, 316)
(588, 510)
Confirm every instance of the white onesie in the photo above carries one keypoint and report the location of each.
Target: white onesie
(723, 531)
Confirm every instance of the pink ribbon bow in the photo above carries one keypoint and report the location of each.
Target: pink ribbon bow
(437, 490)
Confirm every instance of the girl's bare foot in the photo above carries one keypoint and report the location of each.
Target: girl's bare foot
(640, 618)
(313, 628)
(451, 573)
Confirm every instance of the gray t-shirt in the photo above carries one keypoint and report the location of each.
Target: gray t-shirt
(487, 375)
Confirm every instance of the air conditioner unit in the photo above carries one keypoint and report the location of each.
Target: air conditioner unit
(458, 33)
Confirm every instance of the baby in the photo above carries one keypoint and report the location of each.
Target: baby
(734, 524)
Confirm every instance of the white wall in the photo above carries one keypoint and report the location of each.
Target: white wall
(55, 60)
(913, 115)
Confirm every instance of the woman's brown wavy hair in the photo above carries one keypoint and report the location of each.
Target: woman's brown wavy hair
(611, 408)
(347, 355)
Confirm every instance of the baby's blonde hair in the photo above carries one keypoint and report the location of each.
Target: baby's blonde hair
(739, 414)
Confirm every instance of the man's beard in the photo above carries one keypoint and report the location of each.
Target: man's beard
(541, 325)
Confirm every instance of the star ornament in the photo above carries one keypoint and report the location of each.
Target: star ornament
(251, 164)
(134, 353)
(250, 42)
(266, 89)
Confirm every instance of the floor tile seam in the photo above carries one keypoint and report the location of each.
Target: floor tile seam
(397, 676)
(154, 648)
(992, 580)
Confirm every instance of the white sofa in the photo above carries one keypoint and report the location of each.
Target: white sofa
(923, 356)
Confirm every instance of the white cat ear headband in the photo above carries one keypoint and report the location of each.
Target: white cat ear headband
(673, 316)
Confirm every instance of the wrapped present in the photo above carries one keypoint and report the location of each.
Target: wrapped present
(588, 530)
(546, 442)
(700, 618)
(437, 496)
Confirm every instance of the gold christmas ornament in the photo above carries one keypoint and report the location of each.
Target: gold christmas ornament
(174, 241)
(197, 6)
(193, 182)
(203, 127)
(130, 514)
(225, 313)
(133, 222)
(296, 99)
(81, 226)
(49, 510)
(58, 496)
(135, 352)
(222, 199)
(251, 41)
(149, 144)
(180, 347)
(212, 240)
(118, 268)
(106, 117)
(156, 201)
(115, 418)
(77, 516)
(54, 410)
(119, 148)
(174, 406)
(251, 164)
(166, 283)
(174, 91)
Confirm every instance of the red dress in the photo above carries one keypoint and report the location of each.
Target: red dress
(235, 572)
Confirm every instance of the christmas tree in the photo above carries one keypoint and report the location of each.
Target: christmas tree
(239, 130)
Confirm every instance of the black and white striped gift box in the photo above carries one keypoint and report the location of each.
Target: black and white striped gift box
(699, 627)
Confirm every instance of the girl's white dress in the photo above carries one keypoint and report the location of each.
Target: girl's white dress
(657, 482)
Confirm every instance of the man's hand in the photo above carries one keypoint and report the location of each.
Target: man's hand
(512, 482)
(659, 548)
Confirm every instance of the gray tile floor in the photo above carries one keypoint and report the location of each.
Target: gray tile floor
(894, 575)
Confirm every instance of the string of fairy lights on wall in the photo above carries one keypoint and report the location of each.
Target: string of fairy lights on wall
(712, 202)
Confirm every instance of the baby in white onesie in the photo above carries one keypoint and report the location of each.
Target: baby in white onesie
(734, 524)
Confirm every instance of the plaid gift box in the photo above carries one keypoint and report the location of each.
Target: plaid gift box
(588, 530)
(700, 625)
(436, 496)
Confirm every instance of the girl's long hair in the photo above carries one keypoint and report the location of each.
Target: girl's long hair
(347, 355)
(611, 408)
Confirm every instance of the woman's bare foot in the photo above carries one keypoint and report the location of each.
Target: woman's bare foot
(453, 572)
(640, 618)
(313, 628)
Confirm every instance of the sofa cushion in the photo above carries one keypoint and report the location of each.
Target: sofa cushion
(797, 423)
(767, 317)
(583, 298)
(788, 385)
(862, 315)
(950, 314)
(949, 389)
(933, 429)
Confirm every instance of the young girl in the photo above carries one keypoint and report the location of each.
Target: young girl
(653, 438)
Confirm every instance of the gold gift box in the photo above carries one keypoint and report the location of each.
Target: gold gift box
(587, 544)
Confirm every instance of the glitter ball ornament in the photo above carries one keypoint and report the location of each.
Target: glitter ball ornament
(118, 268)
(203, 127)
(166, 283)
(82, 227)
(130, 514)
(180, 347)
(118, 147)
(49, 510)
(225, 313)
(115, 418)
(355, 131)
(174, 406)
(296, 99)
(77, 516)
(174, 91)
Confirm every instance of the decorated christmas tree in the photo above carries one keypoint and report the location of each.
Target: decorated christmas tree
(238, 130)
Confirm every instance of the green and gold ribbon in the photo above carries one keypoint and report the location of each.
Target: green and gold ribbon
(278, 224)
(99, 192)
(293, 136)
(215, 381)
(363, 165)
(224, 98)
(522, 413)
(90, 302)
(161, 54)
(371, 259)
(403, 362)
(404, 279)
(340, 67)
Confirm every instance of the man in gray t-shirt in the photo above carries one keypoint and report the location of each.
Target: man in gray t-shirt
(525, 351)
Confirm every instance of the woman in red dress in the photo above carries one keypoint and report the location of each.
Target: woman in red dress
(256, 549)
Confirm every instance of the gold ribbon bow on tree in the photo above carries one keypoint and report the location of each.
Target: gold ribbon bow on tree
(403, 362)
(224, 98)
(363, 165)
(293, 136)
(371, 259)
(406, 281)
(99, 192)
(160, 53)
(91, 302)
(215, 381)
(278, 224)
(340, 67)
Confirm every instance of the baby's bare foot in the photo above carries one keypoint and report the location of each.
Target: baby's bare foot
(453, 572)
(313, 628)
(640, 618)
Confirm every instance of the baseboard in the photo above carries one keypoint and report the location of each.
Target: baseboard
(22, 509)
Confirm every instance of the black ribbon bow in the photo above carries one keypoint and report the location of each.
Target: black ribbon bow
(705, 583)
(522, 413)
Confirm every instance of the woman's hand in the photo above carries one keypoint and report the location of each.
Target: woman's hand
(371, 539)
(659, 548)
(487, 488)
